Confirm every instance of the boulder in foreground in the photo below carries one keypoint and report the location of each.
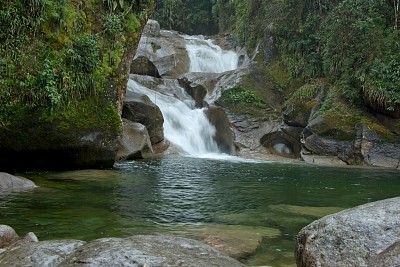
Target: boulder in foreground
(353, 237)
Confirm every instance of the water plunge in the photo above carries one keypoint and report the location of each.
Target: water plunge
(185, 127)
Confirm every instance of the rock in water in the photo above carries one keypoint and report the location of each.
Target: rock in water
(9, 182)
(352, 237)
(134, 142)
(8, 236)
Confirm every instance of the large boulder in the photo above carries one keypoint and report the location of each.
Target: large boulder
(134, 142)
(139, 108)
(150, 251)
(132, 251)
(352, 237)
(9, 182)
(143, 66)
(166, 49)
(224, 134)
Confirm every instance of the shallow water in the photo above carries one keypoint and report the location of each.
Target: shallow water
(180, 195)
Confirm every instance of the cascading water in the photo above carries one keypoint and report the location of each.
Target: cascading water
(184, 126)
(205, 56)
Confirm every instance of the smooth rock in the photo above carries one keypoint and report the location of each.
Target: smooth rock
(10, 182)
(134, 142)
(352, 237)
(8, 236)
(150, 251)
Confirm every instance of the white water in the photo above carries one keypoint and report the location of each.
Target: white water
(205, 56)
(186, 128)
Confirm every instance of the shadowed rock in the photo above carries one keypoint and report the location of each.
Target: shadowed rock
(139, 108)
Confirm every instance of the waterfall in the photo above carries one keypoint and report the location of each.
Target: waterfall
(205, 56)
(187, 128)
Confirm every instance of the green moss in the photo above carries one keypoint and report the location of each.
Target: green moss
(279, 73)
(307, 92)
(242, 100)
(88, 115)
(382, 131)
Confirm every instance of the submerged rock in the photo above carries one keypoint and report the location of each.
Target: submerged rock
(237, 241)
(352, 237)
(9, 182)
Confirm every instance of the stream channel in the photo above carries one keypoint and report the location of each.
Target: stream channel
(256, 208)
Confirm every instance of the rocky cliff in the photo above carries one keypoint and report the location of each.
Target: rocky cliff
(65, 66)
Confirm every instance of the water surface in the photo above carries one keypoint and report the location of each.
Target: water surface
(179, 195)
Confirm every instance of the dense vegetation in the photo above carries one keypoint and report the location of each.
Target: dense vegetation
(55, 55)
(352, 44)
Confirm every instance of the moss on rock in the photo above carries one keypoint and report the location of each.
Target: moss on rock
(63, 76)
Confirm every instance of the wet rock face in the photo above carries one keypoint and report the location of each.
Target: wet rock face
(196, 91)
(352, 237)
(224, 135)
(139, 108)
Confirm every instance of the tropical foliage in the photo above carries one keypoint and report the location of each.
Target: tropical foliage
(354, 44)
(53, 55)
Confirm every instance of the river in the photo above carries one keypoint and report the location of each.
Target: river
(183, 195)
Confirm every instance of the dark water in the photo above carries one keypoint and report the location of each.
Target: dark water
(177, 195)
